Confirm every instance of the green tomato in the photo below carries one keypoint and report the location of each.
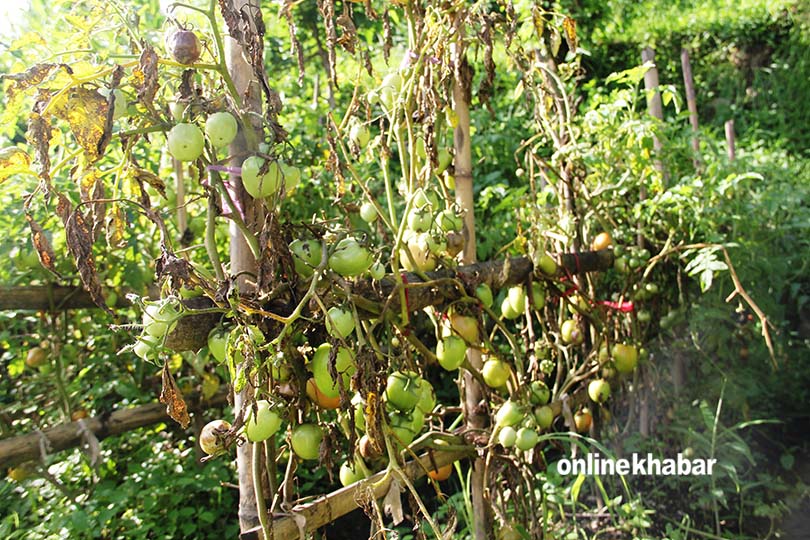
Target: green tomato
(495, 372)
(445, 158)
(406, 425)
(599, 390)
(185, 142)
(218, 343)
(509, 414)
(359, 134)
(538, 296)
(291, 176)
(306, 441)
(420, 219)
(351, 473)
(377, 271)
(262, 186)
(546, 265)
(359, 408)
(159, 318)
(507, 436)
(368, 212)
(540, 394)
(350, 258)
(571, 333)
(146, 346)
(264, 424)
(451, 352)
(517, 298)
(484, 294)
(403, 390)
(306, 256)
(344, 364)
(427, 397)
(339, 322)
(507, 312)
(625, 357)
(544, 416)
(448, 221)
(221, 129)
(527, 439)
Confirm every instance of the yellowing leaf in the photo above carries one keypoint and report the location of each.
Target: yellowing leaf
(85, 111)
(13, 161)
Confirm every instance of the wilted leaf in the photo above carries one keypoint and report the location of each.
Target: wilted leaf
(116, 225)
(13, 161)
(39, 136)
(145, 76)
(85, 111)
(28, 78)
(539, 22)
(80, 243)
(570, 29)
(47, 257)
(142, 175)
(171, 396)
(392, 503)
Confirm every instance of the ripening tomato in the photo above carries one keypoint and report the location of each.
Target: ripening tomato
(442, 473)
(306, 440)
(571, 333)
(211, 436)
(601, 241)
(319, 398)
(495, 372)
(599, 390)
(344, 364)
(625, 357)
(583, 420)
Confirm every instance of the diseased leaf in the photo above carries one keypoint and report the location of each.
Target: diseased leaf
(13, 161)
(171, 396)
(47, 257)
(85, 111)
(145, 77)
(143, 176)
(32, 76)
(39, 136)
(570, 29)
(116, 225)
(80, 243)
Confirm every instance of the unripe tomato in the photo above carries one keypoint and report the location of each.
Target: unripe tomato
(262, 186)
(36, 357)
(527, 439)
(263, 424)
(625, 357)
(544, 416)
(344, 364)
(218, 343)
(377, 271)
(185, 142)
(351, 473)
(420, 219)
(540, 394)
(484, 294)
(449, 221)
(495, 372)
(546, 265)
(291, 176)
(306, 256)
(571, 333)
(601, 241)
(211, 436)
(159, 318)
(507, 436)
(507, 312)
(184, 46)
(403, 390)
(146, 346)
(442, 473)
(350, 258)
(405, 425)
(538, 296)
(444, 159)
(599, 390)
(517, 298)
(221, 128)
(339, 322)
(359, 410)
(418, 245)
(359, 134)
(451, 352)
(509, 414)
(306, 441)
(368, 212)
(427, 397)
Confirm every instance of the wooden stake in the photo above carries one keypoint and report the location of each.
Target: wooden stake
(691, 103)
(730, 145)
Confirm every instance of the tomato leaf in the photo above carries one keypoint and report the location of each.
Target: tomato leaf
(171, 396)
(46, 254)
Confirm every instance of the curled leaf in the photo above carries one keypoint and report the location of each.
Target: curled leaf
(171, 396)
(13, 161)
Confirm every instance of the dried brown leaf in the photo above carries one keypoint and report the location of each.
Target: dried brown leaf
(80, 243)
(146, 77)
(570, 28)
(143, 176)
(47, 257)
(171, 396)
(39, 136)
(32, 76)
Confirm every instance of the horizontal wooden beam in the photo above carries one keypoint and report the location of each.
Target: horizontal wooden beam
(26, 447)
(327, 508)
(49, 298)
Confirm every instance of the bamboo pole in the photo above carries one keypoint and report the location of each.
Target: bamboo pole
(22, 448)
(691, 103)
(731, 149)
